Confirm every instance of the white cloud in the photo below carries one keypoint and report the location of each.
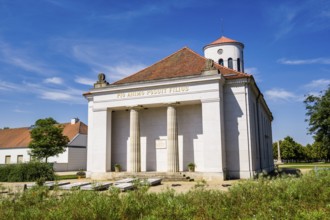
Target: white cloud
(23, 59)
(319, 84)
(21, 111)
(54, 80)
(85, 81)
(321, 60)
(121, 70)
(7, 86)
(289, 17)
(57, 96)
(281, 95)
(63, 94)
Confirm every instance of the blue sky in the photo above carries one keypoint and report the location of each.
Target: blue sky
(52, 50)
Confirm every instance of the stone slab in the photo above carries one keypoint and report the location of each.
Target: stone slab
(97, 186)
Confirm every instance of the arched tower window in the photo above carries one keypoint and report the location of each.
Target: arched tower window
(221, 62)
(238, 64)
(230, 63)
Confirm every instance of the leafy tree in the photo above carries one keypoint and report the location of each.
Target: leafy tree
(47, 139)
(290, 150)
(318, 113)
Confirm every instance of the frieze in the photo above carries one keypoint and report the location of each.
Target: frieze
(152, 92)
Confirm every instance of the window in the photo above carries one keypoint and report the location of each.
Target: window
(7, 160)
(230, 63)
(19, 158)
(221, 62)
(238, 64)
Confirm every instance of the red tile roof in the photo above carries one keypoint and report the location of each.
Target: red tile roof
(20, 137)
(223, 40)
(184, 62)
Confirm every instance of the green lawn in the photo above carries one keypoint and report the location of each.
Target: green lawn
(305, 165)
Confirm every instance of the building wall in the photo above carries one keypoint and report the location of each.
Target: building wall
(72, 159)
(153, 124)
(233, 51)
(237, 133)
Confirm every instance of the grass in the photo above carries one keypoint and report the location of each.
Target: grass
(66, 177)
(305, 165)
(306, 197)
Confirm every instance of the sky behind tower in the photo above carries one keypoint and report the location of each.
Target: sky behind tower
(52, 50)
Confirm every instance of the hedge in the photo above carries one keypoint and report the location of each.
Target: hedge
(25, 172)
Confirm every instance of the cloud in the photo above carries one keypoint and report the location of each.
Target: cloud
(296, 17)
(58, 96)
(321, 60)
(54, 80)
(23, 60)
(21, 111)
(115, 60)
(61, 94)
(85, 81)
(7, 86)
(319, 84)
(124, 69)
(281, 95)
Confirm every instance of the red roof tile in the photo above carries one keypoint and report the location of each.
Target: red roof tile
(184, 62)
(223, 40)
(20, 137)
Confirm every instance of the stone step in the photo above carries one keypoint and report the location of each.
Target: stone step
(145, 175)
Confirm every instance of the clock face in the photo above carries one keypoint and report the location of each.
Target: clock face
(220, 51)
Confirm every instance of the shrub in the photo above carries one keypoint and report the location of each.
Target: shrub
(24, 172)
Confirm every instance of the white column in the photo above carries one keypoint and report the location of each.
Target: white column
(135, 146)
(172, 141)
(99, 141)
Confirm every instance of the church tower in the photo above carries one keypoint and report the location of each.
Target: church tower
(226, 52)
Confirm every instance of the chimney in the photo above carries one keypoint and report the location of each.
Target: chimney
(74, 121)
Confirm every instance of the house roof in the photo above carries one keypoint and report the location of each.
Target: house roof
(223, 40)
(184, 62)
(20, 137)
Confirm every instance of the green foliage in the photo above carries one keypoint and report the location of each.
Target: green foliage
(24, 172)
(290, 150)
(47, 139)
(318, 113)
(307, 197)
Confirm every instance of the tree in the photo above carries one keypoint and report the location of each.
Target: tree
(290, 150)
(318, 113)
(47, 139)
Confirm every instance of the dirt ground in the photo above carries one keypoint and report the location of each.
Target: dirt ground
(178, 186)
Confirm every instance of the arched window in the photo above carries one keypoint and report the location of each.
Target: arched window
(230, 63)
(238, 64)
(221, 62)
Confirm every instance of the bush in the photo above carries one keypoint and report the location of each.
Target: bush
(24, 172)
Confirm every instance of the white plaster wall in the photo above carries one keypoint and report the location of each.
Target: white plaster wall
(153, 124)
(236, 129)
(61, 158)
(229, 51)
(14, 153)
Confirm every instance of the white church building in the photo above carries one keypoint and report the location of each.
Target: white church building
(184, 109)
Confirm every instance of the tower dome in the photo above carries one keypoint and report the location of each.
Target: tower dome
(227, 52)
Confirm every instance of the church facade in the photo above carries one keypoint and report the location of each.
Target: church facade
(183, 109)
